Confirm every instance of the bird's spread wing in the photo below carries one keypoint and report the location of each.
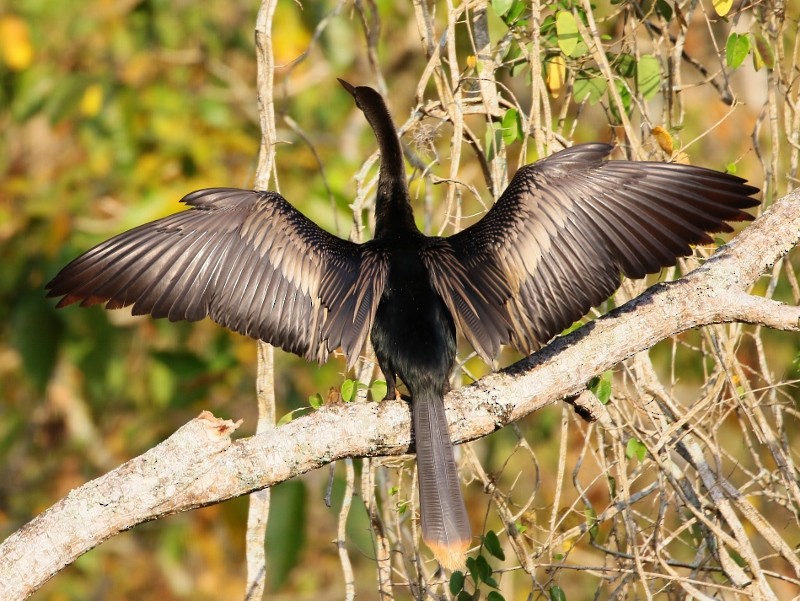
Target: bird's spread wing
(559, 237)
(248, 260)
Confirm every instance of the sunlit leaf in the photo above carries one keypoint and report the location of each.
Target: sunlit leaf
(648, 76)
(348, 390)
(601, 386)
(589, 87)
(625, 97)
(512, 126)
(315, 400)
(555, 74)
(378, 390)
(567, 31)
(501, 7)
(512, 17)
(722, 7)
(736, 49)
(635, 448)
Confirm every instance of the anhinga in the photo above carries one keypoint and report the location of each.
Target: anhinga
(551, 247)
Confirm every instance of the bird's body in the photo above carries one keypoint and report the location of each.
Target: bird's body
(553, 246)
(414, 335)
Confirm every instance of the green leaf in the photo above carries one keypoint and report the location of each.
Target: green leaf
(635, 448)
(612, 486)
(514, 14)
(36, 333)
(591, 520)
(601, 386)
(624, 64)
(664, 9)
(495, 596)
(315, 400)
(740, 561)
(494, 137)
(567, 31)
(285, 530)
(483, 568)
(464, 596)
(648, 76)
(285, 419)
(625, 97)
(456, 582)
(736, 49)
(589, 87)
(378, 390)
(348, 390)
(557, 593)
(501, 7)
(492, 544)
(473, 570)
(511, 126)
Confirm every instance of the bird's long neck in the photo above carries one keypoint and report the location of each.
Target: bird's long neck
(392, 207)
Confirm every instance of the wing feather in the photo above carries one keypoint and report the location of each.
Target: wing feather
(246, 259)
(563, 233)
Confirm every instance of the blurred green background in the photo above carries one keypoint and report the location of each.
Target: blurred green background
(111, 111)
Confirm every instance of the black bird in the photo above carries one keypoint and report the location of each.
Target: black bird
(553, 246)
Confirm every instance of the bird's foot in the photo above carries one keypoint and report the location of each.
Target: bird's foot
(394, 395)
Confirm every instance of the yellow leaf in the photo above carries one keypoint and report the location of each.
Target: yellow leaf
(15, 43)
(663, 138)
(92, 100)
(722, 7)
(471, 61)
(555, 74)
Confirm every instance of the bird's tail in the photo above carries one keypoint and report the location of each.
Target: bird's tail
(445, 526)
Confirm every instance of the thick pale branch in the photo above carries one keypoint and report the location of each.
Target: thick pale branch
(200, 464)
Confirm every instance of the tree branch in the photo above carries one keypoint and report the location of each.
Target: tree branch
(200, 464)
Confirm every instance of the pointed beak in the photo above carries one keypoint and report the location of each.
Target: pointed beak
(348, 87)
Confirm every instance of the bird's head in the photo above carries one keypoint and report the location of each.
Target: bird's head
(364, 96)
